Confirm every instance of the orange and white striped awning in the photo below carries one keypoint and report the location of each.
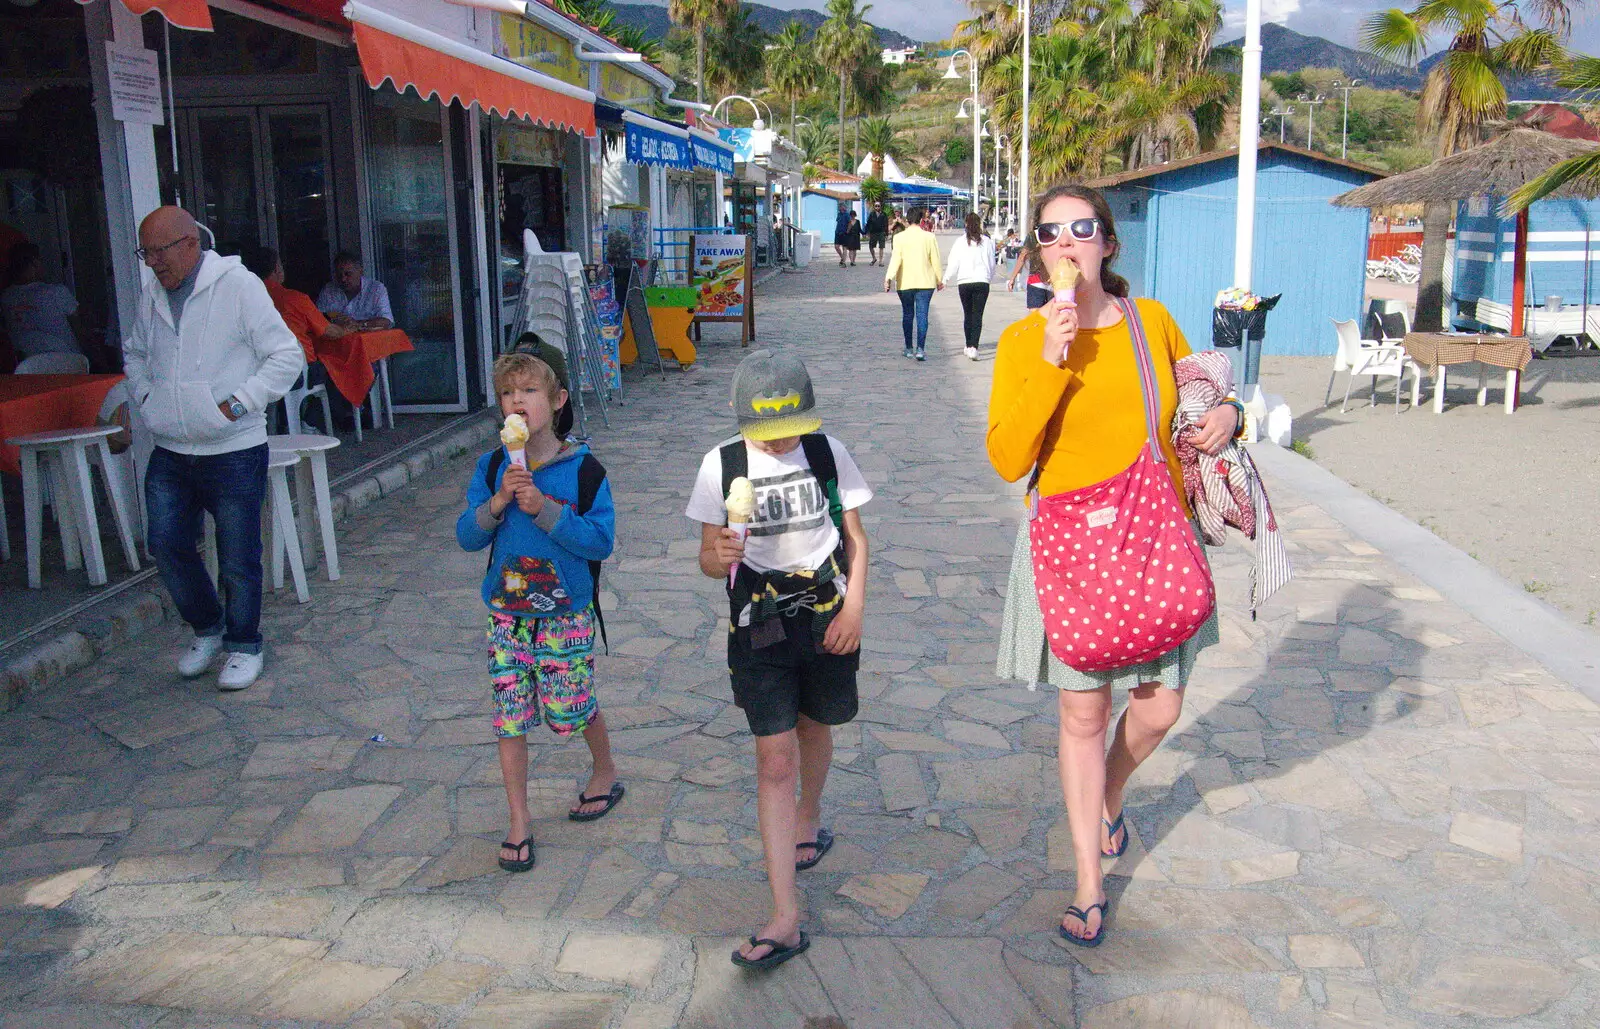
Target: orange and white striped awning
(185, 14)
(405, 54)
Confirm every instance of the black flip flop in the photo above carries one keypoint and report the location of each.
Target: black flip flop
(822, 846)
(611, 798)
(1082, 914)
(774, 957)
(518, 866)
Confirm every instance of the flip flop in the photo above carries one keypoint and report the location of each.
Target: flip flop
(822, 846)
(1082, 914)
(1112, 828)
(518, 866)
(611, 798)
(774, 957)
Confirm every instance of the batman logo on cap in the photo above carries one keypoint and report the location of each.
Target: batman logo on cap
(776, 405)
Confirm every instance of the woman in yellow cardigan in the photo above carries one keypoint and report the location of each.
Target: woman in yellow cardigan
(1066, 402)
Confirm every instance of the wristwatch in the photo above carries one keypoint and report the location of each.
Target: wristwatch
(235, 409)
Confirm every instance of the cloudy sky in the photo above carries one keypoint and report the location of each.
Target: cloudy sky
(1337, 20)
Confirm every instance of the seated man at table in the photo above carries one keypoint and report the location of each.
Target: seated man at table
(305, 321)
(40, 317)
(354, 301)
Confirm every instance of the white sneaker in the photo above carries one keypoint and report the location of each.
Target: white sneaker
(199, 656)
(972, 353)
(240, 671)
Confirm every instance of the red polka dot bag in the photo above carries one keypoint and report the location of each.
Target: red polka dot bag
(1120, 576)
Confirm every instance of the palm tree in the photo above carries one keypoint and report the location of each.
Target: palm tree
(845, 41)
(818, 141)
(697, 16)
(792, 68)
(599, 15)
(1462, 92)
(737, 50)
(1583, 173)
(882, 140)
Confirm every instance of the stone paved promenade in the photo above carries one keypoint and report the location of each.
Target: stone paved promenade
(1374, 813)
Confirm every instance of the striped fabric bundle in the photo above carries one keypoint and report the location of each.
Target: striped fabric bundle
(1225, 489)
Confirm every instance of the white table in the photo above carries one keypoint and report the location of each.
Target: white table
(66, 456)
(311, 488)
(282, 526)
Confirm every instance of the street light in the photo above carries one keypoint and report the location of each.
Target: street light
(998, 142)
(1344, 135)
(1311, 115)
(758, 124)
(977, 114)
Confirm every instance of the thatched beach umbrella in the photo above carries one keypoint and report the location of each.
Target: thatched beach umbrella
(1497, 168)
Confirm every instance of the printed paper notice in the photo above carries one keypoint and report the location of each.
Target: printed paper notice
(135, 84)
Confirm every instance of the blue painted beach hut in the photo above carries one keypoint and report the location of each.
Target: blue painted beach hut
(1176, 224)
(1563, 254)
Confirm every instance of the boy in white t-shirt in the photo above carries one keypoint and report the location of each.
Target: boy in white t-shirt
(797, 592)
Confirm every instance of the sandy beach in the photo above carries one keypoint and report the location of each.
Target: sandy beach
(1514, 491)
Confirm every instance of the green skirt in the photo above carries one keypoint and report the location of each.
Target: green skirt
(1026, 656)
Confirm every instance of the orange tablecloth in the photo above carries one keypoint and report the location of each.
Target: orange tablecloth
(349, 359)
(43, 403)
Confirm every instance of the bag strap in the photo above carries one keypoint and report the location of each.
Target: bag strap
(735, 463)
(591, 473)
(819, 455)
(1147, 373)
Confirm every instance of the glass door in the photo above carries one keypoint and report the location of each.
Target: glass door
(413, 233)
(300, 199)
(225, 169)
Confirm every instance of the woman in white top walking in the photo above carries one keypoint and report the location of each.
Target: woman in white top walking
(971, 266)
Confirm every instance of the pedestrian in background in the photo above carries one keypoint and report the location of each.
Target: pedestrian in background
(914, 271)
(877, 233)
(970, 265)
(1069, 404)
(841, 228)
(1037, 281)
(852, 238)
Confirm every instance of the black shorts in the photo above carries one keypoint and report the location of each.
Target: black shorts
(876, 240)
(779, 682)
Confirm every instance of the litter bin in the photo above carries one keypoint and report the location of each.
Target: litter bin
(1239, 333)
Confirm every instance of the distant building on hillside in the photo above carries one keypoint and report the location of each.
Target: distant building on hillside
(1175, 222)
(901, 56)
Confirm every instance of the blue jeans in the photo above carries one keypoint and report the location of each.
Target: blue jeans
(914, 306)
(179, 489)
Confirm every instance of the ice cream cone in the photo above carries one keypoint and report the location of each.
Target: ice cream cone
(741, 505)
(514, 436)
(1064, 281)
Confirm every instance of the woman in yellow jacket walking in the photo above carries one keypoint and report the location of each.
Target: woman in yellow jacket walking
(915, 269)
(1067, 405)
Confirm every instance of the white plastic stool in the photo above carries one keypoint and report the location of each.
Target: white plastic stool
(283, 533)
(296, 398)
(311, 486)
(380, 400)
(65, 452)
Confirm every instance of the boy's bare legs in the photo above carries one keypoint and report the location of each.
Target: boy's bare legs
(816, 754)
(777, 769)
(604, 774)
(514, 771)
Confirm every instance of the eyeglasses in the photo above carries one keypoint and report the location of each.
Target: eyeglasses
(1083, 230)
(145, 253)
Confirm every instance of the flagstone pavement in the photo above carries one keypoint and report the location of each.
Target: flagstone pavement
(1375, 812)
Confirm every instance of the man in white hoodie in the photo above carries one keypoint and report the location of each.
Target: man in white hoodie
(208, 353)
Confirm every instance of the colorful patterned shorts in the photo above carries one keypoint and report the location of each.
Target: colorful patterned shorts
(542, 670)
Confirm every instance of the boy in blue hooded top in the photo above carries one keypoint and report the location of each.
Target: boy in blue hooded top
(539, 589)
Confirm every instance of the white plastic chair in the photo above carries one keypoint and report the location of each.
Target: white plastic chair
(1366, 357)
(282, 531)
(54, 364)
(310, 462)
(296, 398)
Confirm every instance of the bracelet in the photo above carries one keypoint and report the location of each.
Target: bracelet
(1233, 402)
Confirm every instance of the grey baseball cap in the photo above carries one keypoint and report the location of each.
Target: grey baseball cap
(772, 397)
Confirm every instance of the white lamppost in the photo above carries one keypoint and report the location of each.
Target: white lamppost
(1344, 135)
(998, 142)
(1244, 226)
(758, 124)
(977, 114)
(1311, 115)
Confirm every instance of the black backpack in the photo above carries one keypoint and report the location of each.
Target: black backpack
(819, 455)
(591, 473)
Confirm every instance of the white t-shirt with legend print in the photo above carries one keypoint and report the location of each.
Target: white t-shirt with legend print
(791, 530)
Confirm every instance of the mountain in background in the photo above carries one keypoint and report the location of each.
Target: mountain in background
(1285, 50)
(652, 19)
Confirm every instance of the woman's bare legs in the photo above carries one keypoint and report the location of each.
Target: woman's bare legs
(1152, 712)
(1082, 757)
